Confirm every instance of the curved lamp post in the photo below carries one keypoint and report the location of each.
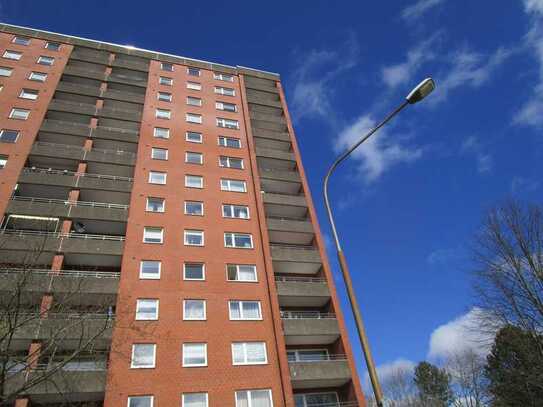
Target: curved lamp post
(422, 90)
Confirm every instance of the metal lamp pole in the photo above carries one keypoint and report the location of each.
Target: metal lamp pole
(422, 90)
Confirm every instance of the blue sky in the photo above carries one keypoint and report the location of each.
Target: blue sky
(409, 201)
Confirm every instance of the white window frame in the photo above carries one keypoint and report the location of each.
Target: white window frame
(194, 118)
(24, 41)
(231, 209)
(237, 273)
(234, 239)
(147, 208)
(151, 398)
(16, 110)
(190, 186)
(25, 93)
(193, 68)
(188, 153)
(192, 202)
(225, 144)
(201, 140)
(163, 64)
(194, 86)
(297, 353)
(3, 161)
(222, 122)
(220, 106)
(56, 47)
(245, 355)
(46, 59)
(228, 158)
(193, 263)
(194, 98)
(145, 228)
(158, 172)
(242, 318)
(223, 77)
(13, 55)
(143, 276)
(249, 397)
(165, 81)
(187, 232)
(228, 182)
(316, 392)
(7, 70)
(157, 130)
(139, 302)
(2, 131)
(164, 114)
(204, 302)
(132, 366)
(156, 150)
(36, 76)
(186, 394)
(164, 96)
(205, 353)
(222, 90)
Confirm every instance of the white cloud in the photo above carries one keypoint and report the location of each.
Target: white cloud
(415, 11)
(533, 6)
(521, 184)
(459, 335)
(484, 161)
(441, 257)
(386, 370)
(379, 153)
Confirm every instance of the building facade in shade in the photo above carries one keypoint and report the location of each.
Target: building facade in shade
(159, 211)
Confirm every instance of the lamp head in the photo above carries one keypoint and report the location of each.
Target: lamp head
(420, 91)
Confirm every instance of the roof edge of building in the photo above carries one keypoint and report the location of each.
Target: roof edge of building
(135, 51)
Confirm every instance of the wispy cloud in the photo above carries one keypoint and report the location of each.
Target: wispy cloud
(522, 185)
(484, 160)
(415, 11)
(441, 257)
(379, 153)
(387, 370)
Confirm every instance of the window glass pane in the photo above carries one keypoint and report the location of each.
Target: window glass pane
(193, 71)
(238, 351)
(30, 94)
(194, 118)
(12, 55)
(194, 309)
(194, 208)
(152, 235)
(141, 401)
(194, 181)
(150, 269)
(5, 71)
(194, 101)
(46, 60)
(37, 76)
(164, 96)
(242, 399)
(159, 154)
(194, 237)
(21, 40)
(260, 398)
(250, 309)
(161, 132)
(157, 177)
(194, 354)
(235, 310)
(9, 136)
(53, 46)
(195, 400)
(3, 161)
(166, 66)
(165, 81)
(155, 204)
(20, 114)
(247, 273)
(193, 271)
(256, 352)
(194, 137)
(194, 86)
(194, 158)
(146, 309)
(143, 355)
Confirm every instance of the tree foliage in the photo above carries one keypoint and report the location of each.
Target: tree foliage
(433, 385)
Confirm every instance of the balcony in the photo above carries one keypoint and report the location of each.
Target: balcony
(265, 98)
(280, 182)
(138, 65)
(290, 231)
(121, 114)
(265, 85)
(78, 89)
(309, 327)
(269, 125)
(122, 135)
(84, 73)
(62, 127)
(295, 259)
(60, 105)
(275, 159)
(302, 291)
(326, 372)
(88, 55)
(285, 206)
(272, 118)
(123, 96)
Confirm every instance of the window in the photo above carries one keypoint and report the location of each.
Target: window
(194, 118)
(193, 271)
(194, 354)
(227, 123)
(30, 94)
(163, 114)
(193, 137)
(156, 177)
(230, 142)
(153, 234)
(161, 132)
(19, 114)
(235, 211)
(307, 355)
(194, 181)
(225, 91)
(223, 77)
(150, 269)
(143, 356)
(194, 85)
(12, 55)
(165, 66)
(163, 80)
(316, 399)
(140, 401)
(238, 240)
(8, 136)
(194, 208)
(21, 40)
(164, 96)
(146, 310)
(3, 161)
(245, 310)
(254, 398)
(227, 107)
(194, 237)
(231, 162)
(4, 71)
(240, 272)
(194, 400)
(43, 60)
(194, 310)
(159, 154)
(193, 71)
(192, 101)
(37, 76)
(155, 204)
(249, 353)
(194, 158)
(53, 46)
(233, 185)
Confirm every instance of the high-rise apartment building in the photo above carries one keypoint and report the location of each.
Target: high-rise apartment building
(159, 246)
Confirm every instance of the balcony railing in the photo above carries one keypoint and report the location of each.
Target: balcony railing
(73, 173)
(287, 279)
(117, 129)
(63, 273)
(293, 246)
(72, 203)
(68, 315)
(307, 315)
(334, 404)
(17, 232)
(79, 148)
(320, 358)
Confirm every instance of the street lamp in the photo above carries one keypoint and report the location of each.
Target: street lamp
(422, 90)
